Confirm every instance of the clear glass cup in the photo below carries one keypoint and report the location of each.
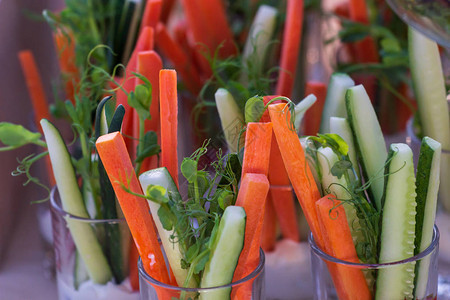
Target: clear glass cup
(72, 279)
(152, 289)
(322, 263)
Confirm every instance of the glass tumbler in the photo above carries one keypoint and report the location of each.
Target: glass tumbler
(323, 265)
(253, 286)
(72, 278)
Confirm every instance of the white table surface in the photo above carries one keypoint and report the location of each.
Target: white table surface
(22, 272)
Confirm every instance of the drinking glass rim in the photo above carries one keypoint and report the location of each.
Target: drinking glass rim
(433, 245)
(257, 271)
(66, 214)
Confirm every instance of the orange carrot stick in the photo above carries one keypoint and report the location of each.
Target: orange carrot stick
(167, 8)
(252, 197)
(65, 45)
(258, 139)
(312, 117)
(133, 273)
(296, 166)
(202, 35)
(269, 229)
(290, 47)
(152, 13)
(180, 60)
(149, 65)
(114, 155)
(169, 121)
(215, 16)
(284, 206)
(34, 85)
(38, 98)
(349, 281)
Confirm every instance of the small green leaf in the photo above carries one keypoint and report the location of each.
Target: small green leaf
(150, 146)
(16, 135)
(192, 252)
(189, 169)
(143, 95)
(166, 217)
(340, 167)
(200, 265)
(254, 109)
(224, 198)
(157, 194)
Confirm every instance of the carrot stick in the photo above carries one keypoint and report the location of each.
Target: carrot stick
(284, 206)
(38, 98)
(144, 43)
(219, 27)
(365, 50)
(350, 282)
(290, 47)
(149, 65)
(114, 155)
(133, 273)
(202, 35)
(258, 139)
(269, 229)
(65, 46)
(152, 13)
(296, 166)
(180, 60)
(167, 8)
(34, 85)
(312, 117)
(169, 121)
(252, 197)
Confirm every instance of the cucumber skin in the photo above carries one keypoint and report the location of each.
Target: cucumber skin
(219, 269)
(161, 176)
(397, 226)
(372, 161)
(335, 99)
(429, 89)
(427, 186)
(72, 201)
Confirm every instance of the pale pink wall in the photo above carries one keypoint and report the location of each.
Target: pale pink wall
(18, 31)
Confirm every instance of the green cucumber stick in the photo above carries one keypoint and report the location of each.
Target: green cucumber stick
(429, 89)
(231, 119)
(83, 234)
(258, 41)
(427, 186)
(335, 100)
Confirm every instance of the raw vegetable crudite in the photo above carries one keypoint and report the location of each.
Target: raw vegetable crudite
(380, 232)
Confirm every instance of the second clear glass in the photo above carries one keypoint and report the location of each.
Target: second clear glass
(151, 289)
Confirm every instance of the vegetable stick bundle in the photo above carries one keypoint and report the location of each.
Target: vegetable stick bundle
(345, 220)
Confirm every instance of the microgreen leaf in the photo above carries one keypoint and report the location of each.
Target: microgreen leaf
(254, 109)
(200, 264)
(166, 217)
(16, 136)
(157, 194)
(150, 146)
(189, 169)
(224, 198)
(340, 168)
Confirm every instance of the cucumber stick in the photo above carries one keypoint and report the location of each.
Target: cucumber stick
(397, 225)
(341, 127)
(225, 253)
(301, 108)
(231, 118)
(335, 100)
(429, 89)
(161, 177)
(427, 186)
(72, 202)
(369, 140)
(338, 187)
